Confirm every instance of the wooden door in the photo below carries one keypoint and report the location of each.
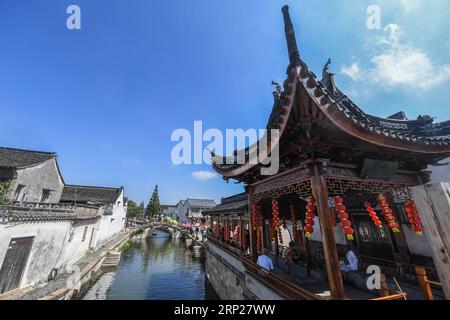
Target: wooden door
(372, 241)
(14, 264)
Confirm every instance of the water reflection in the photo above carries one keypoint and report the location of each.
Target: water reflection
(159, 268)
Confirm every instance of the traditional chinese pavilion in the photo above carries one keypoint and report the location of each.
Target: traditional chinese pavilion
(343, 179)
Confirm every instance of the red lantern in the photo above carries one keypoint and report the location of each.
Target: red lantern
(414, 217)
(373, 215)
(310, 215)
(388, 213)
(295, 231)
(343, 216)
(256, 224)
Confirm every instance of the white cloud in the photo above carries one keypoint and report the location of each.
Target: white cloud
(395, 64)
(353, 71)
(204, 175)
(409, 5)
(402, 65)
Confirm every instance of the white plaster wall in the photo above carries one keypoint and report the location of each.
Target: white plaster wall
(416, 244)
(338, 233)
(110, 226)
(75, 248)
(47, 249)
(37, 178)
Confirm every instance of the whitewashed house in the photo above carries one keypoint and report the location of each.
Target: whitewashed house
(34, 176)
(39, 235)
(112, 209)
(191, 210)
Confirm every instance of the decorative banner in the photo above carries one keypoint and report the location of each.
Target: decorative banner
(310, 215)
(388, 213)
(343, 215)
(373, 215)
(256, 224)
(414, 217)
(275, 219)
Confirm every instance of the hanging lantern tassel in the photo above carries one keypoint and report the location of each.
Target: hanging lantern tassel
(388, 213)
(310, 215)
(373, 215)
(343, 215)
(414, 217)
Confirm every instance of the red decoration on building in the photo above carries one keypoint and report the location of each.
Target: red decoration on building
(343, 215)
(296, 232)
(310, 215)
(388, 213)
(414, 217)
(256, 225)
(275, 220)
(373, 215)
(225, 231)
(217, 231)
(243, 238)
(280, 238)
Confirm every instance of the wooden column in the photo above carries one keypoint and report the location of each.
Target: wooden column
(253, 249)
(433, 205)
(320, 193)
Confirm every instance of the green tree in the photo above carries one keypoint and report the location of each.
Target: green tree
(153, 207)
(134, 210)
(4, 187)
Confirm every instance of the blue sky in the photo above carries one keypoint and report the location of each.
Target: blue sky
(107, 97)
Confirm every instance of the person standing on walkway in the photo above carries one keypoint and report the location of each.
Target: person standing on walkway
(265, 262)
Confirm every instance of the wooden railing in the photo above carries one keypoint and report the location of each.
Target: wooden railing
(279, 285)
(425, 284)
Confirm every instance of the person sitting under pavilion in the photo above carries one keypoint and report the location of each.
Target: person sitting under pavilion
(351, 262)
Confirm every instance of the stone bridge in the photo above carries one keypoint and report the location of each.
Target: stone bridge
(173, 231)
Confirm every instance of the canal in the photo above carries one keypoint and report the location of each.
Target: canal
(157, 268)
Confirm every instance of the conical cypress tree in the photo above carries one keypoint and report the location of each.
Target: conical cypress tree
(153, 207)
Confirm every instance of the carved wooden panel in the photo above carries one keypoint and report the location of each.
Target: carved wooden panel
(356, 174)
(341, 186)
(282, 181)
(302, 189)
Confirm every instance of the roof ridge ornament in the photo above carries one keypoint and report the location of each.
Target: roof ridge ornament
(278, 90)
(328, 79)
(294, 53)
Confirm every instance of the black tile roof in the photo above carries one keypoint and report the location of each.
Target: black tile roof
(201, 203)
(237, 204)
(85, 194)
(29, 213)
(423, 130)
(17, 158)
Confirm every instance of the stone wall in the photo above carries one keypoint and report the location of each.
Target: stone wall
(228, 282)
(229, 278)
